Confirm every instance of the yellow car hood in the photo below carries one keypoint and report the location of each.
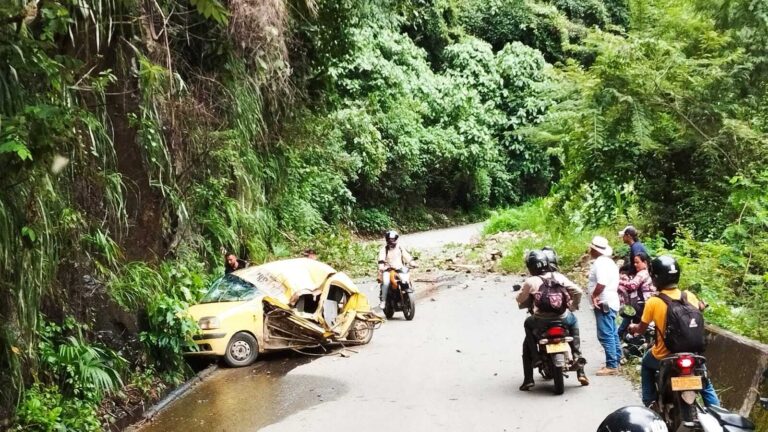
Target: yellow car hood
(219, 309)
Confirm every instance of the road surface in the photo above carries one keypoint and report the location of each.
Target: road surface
(455, 367)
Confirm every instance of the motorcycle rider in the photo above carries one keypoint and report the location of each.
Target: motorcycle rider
(539, 267)
(665, 273)
(633, 419)
(391, 256)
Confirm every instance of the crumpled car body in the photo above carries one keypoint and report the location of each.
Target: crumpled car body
(288, 304)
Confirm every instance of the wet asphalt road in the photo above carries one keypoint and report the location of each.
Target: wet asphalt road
(455, 367)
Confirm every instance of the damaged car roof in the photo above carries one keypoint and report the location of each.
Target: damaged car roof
(281, 279)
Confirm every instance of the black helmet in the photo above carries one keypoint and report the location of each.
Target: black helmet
(537, 262)
(552, 260)
(391, 237)
(633, 419)
(665, 271)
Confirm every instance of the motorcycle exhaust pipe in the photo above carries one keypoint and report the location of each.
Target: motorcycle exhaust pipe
(581, 361)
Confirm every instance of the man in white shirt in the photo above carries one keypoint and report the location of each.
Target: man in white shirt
(603, 289)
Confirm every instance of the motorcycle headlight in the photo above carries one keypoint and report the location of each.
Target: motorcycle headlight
(209, 323)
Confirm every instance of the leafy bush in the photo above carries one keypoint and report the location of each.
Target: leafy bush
(340, 249)
(373, 221)
(589, 12)
(46, 409)
(500, 22)
(80, 369)
(551, 228)
(170, 328)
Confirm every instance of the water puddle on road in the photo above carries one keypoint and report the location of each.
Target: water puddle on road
(247, 399)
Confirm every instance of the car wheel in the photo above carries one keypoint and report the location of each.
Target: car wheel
(361, 333)
(242, 350)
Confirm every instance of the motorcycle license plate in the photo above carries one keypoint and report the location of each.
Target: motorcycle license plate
(557, 348)
(686, 383)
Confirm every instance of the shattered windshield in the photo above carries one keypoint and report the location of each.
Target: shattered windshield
(230, 288)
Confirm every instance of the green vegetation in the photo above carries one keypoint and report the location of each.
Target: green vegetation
(550, 227)
(140, 140)
(719, 271)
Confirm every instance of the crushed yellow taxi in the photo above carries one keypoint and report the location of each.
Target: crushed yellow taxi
(288, 304)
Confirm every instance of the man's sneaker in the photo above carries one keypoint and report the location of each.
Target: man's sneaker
(382, 305)
(606, 371)
(582, 377)
(527, 385)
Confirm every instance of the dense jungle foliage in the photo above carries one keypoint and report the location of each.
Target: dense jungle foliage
(140, 139)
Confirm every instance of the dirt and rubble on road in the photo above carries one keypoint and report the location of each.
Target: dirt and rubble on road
(482, 254)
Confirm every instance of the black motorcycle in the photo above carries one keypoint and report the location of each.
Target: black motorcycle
(679, 381)
(635, 346)
(401, 295)
(555, 352)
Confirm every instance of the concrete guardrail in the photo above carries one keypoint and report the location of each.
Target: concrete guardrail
(736, 366)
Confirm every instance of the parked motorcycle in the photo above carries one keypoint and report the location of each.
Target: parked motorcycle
(401, 296)
(680, 378)
(555, 353)
(635, 346)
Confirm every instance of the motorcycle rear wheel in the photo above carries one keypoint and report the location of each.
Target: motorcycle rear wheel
(409, 307)
(557, 376)
(682, 412)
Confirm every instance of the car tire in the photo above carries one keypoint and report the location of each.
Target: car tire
(242, 350)
(361, 332)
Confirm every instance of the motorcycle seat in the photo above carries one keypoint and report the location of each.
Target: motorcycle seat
(728, 418)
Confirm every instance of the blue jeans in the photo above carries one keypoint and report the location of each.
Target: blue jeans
(608, 336)
(650, 367)
(385, 283)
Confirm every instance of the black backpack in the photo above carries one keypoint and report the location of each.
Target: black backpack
(551, 297)
(685, 325)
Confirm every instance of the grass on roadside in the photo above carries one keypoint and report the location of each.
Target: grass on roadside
(570, 241)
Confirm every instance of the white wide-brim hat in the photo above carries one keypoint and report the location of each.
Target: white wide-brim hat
(600, 244)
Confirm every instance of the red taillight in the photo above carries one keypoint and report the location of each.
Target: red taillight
(685, 363)
(556, 332)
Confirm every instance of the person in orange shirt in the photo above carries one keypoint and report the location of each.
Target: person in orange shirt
(665, 273)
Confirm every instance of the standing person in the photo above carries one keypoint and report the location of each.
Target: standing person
(232, 263)
(542, 266)
(665, 272)
(391, 256)
(639, 288)
(603, 291)
(629, 237)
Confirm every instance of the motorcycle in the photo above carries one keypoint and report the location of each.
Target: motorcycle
(555, 354)
(401, 296)
(679, 380)
(635, 346)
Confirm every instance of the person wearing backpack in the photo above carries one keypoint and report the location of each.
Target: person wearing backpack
(679, 327)
(548, 295)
